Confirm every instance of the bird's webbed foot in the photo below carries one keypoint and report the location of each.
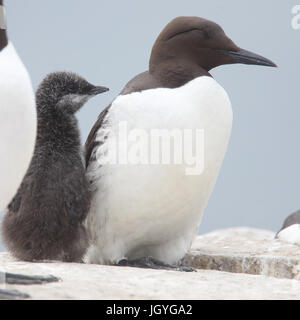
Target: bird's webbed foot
(152, 263)
(13, 278)
(12, 295)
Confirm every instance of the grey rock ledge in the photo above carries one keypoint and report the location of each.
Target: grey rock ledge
(239, 263)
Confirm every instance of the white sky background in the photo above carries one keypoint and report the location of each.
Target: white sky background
(109, 42)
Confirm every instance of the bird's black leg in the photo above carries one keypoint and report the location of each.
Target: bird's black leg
(12, 295)
(152, 263)
(12, 278)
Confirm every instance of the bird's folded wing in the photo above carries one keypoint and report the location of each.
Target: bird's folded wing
(91, 142)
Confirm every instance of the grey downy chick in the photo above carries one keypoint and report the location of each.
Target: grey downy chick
(45, 218)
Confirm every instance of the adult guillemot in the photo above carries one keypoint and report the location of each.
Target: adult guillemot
(290, 231)
(45, 218)
(148, 215)
(17, 117)
(17, 138)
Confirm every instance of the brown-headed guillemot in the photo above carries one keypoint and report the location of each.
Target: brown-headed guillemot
(290, 231)
(147, 214)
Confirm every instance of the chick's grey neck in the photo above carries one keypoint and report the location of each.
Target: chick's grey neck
(57, 128)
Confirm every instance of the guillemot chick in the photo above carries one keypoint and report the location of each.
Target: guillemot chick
(290, 231)
(45, 218)
(146, 213)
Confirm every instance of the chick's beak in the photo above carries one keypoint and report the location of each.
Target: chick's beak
(98, 89)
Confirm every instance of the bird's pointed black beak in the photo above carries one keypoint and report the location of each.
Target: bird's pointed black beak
(98, 89)
(248, 57)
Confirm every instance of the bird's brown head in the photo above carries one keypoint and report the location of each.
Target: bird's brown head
(191, 42)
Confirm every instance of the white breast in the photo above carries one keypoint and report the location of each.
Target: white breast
(17, 123)
(290, 234)
(156, 210)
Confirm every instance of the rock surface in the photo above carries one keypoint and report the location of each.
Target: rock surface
(242, 251)
(245, 250)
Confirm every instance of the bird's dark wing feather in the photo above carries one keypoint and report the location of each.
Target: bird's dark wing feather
(91, 142)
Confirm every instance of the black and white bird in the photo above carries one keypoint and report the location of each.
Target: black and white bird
(148, 214)
(45, 218)
(17, 117)
(290, 231)
(18, 122)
